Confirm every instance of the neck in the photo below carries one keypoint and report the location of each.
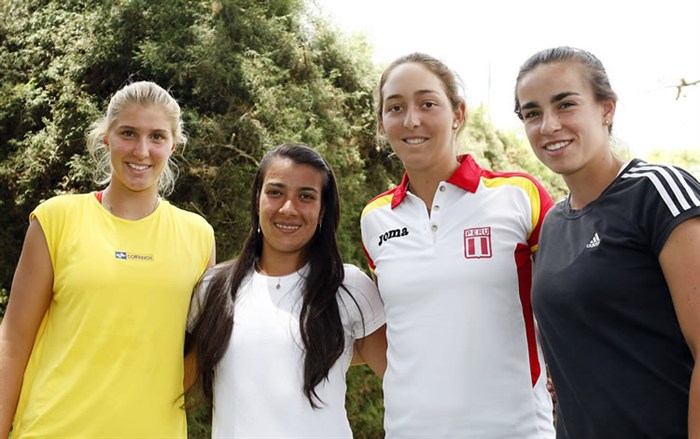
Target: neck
(128, 204)
(279, 265)
(589, 183)
(424, 183)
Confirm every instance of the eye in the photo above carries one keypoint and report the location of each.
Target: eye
(429, 104)
(530, 114)
(273, 193)
(307, 196)
(128, 133)
(565, 105)
(392, 108)
(158, 136)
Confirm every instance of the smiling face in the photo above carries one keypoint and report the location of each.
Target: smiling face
(565, 124)
(418, 118)
(289, 208)
(140, 141)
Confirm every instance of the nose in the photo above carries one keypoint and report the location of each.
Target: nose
(411, 120)
(141, 148)
(550, 123)
(288, 207)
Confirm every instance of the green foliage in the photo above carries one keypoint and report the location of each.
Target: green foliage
(686, 159)
(364, 403)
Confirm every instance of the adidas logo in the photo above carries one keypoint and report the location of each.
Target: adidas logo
(595, 241)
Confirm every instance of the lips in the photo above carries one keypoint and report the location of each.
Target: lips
(138, 167)
(554, 146)
(416, 140)
(287, 226)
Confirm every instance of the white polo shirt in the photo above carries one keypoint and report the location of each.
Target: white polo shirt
(463, 359)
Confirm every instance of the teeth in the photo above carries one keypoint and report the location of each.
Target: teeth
(415, 141)
(286, 227)
(138, 167)
(556, 146)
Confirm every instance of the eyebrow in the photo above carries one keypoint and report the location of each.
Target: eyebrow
(556, 98)
(282, 185)
(419, 92)
(130, 127)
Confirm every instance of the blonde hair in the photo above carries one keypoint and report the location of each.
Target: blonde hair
(142, 93)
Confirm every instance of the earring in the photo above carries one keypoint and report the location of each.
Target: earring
(606, 123)
(258, 229)
(455, 125)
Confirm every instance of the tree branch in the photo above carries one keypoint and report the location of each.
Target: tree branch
(684, 83)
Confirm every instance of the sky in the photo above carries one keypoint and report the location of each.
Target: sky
(645, 46)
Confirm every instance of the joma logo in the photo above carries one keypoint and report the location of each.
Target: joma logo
(392, 234)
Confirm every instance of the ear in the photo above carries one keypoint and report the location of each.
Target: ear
(380, 128)
(459, 115)
(609, 110)
(173, 148)
(105, 141)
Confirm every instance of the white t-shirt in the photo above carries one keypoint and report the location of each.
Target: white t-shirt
(258, 384)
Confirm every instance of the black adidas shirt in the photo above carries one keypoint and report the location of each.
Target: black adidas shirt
(620, 365)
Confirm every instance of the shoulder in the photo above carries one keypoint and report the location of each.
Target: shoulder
(67, 200)
(677, 189)
(354, 274)
(507, 178)
(356, 281)
(61, 204)
(189, 218)
(382, 200)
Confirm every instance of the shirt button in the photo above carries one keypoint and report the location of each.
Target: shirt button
(434, 227)
(442, 188)
(436, 207)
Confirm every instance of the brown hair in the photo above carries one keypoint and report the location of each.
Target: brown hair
(450, 81)
(592, 67)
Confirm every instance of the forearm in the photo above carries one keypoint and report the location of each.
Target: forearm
(12, 365)
(694, 405)
(190, 370)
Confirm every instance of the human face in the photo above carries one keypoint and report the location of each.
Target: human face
(566, 126)
(418, 118)
(140, 142)
(289, 208)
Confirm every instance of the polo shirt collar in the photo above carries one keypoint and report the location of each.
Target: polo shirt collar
(466, 176)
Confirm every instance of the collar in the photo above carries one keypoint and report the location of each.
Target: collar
(466, 176)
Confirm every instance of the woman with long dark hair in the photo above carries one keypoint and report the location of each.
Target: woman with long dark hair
(273, 331)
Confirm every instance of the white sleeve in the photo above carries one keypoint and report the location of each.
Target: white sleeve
(365, 305)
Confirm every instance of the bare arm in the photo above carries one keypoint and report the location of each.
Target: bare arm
(190, 369)
(680, 262)
(212, 256)
(372, 350)
(30, 296)
(191, 357)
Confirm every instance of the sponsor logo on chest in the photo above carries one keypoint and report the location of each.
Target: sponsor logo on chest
(477, 243)
(125, 256)
(395, 233)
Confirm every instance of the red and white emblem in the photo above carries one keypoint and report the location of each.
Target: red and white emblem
(477, 243)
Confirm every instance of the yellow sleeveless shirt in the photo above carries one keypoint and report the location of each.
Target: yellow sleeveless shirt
(108, 357)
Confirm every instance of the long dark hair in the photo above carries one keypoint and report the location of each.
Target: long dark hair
(319, 321)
